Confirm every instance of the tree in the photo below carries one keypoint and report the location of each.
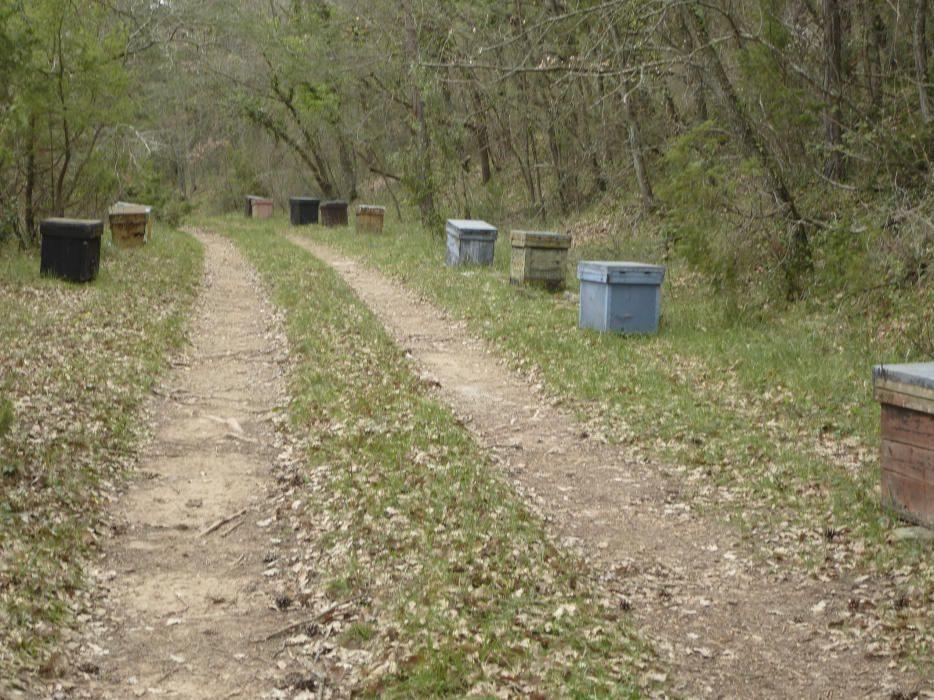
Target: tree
(833, 84)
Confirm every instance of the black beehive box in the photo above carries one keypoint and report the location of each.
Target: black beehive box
(71, 248)
(303, 210)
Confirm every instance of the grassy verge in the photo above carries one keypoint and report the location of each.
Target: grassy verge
(76, 362)
(461, 590)
(768, 422)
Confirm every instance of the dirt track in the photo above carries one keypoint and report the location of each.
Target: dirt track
(186, 610)
(725, 626)
(189, 613)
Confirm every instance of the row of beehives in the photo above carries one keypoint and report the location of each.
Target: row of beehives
(614, 295)
(308, 210)
(625, 296)
(71, 248)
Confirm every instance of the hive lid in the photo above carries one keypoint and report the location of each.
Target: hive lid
(909, 386)
(370, 209)
(130, 208)
(72, 228)
(333, 203)
(614, 272)
(314, 200)
(471, 228)
(261, 200)
(540, 239)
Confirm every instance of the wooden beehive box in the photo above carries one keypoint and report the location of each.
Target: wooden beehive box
(130, 224)
(333, 213)
(906, 393)
(469, 242)
(369, 218)
(539, 257)
(261, 208)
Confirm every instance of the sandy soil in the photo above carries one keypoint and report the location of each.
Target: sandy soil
(726, 625)
(187, 584)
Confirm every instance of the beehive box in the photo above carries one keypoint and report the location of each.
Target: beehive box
(369, 218)
(71, 248)
(620, 296)
(130, 224)
(261, 208)
(334, 213)
(906, 393)
(539, 257)
(248, 205)
(303, 210)
(469, 242)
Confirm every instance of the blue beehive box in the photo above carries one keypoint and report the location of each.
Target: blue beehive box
(620, 296)
(469, 242)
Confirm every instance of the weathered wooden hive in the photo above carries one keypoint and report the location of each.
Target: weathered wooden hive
(303, 210)
(369, 218)
(906, 393)
(130, 224)
(620, 296)
(334, 213)
(71, 248)
(261, 208)
(469, 242)
(539, 257)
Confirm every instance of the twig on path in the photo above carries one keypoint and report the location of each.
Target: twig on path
(223, 521)
(323, 615)
(231, 528)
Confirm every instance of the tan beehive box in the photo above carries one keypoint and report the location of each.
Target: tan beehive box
(539, 257)
(130, 224)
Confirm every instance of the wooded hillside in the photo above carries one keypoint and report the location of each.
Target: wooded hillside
(783, 146)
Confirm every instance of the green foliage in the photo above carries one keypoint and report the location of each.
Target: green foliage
(706, 189)
(151, 188)
(6, 415)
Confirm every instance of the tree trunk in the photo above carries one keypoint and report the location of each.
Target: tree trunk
(58, 187)
(833, 83)
(347, 165)
(920, 51)
(564, 195)
(482, 134)
(695, 77)
(870, 54)
(424, 194)
(638, 159)
(29, 193)
(796, 262)
(635, 136)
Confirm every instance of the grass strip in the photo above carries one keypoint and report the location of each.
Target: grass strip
(77, 361)
(465, 593)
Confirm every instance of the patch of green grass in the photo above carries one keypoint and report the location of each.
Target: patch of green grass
(76, 362)
(465, 593)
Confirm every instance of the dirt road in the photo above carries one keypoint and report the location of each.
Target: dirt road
(726, 624)
(188, 584)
